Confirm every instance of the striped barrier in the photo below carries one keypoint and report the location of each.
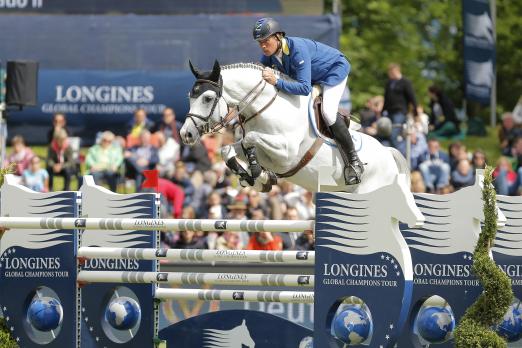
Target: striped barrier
(235, 295)
(198, 255)
(189, 278)
(164, 225)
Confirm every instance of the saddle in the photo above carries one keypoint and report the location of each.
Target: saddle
(318, 113)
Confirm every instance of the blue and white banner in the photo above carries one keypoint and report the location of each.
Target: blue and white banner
(479, 50)
(96, 100)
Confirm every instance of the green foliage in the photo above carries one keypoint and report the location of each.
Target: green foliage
(474, 329)
(6, 341)
(425, 37)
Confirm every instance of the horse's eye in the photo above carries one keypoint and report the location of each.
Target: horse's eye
(207, 99)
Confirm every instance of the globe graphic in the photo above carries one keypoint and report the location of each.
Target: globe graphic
(511, 326)
(435, 324)
(307, 342)
(123, 313)
(352, 325)
(45, 313)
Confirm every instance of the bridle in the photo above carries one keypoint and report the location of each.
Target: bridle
(234, 111)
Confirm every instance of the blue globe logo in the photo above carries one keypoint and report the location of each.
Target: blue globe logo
(435, 324)
(352, 325)
(511, 326)
(123, 313)
(307, 342)
(45, 313)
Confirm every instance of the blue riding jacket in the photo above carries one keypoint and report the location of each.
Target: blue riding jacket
(308, 62)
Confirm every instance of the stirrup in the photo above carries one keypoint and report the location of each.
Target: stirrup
(353, 172)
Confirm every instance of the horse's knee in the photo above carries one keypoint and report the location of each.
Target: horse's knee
(228, 152)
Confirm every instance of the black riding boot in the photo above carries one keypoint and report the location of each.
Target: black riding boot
(353, 167)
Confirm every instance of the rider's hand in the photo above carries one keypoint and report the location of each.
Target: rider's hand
(269, 76)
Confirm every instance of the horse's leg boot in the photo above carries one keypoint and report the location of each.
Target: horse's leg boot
(253, 164)
(353, 166)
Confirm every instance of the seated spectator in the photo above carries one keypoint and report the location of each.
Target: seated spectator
(478, 160)
(189, 240)
(168, 154)
(264, 241)
(21, 155)
(60, 160)
(104, 161)
(34, 177)
(463, 176)
(195, 158)
(168, 125)
(237, 211)
(59, 122)
(215, 207)
(418, 149)
(306, 241)
(212, 143)
(384, 131)
(136, 126)
(508, 133)
(443, 119)
(182, 179)
(435, 168)
(417, 182)
(173, 196)
(229, 241)
(505, 182)
(457, 152)
(140, 158)
(421, 121)
(255, 201)
(371, 114)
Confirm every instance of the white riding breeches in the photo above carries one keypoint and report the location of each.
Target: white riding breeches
(331, 98)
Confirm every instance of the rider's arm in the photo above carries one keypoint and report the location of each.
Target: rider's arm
(302, 85)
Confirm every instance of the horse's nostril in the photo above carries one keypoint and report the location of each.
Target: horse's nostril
(189, 134)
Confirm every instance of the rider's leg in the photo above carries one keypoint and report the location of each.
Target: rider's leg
(353, 165)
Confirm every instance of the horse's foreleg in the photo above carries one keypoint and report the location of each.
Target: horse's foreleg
(230, 156)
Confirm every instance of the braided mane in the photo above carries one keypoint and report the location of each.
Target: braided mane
(254, 66)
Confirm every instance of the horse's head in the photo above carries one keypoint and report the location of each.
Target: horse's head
(408, 212)
(207, 107)
(246, 339)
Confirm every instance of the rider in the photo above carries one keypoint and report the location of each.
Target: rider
(309, 62)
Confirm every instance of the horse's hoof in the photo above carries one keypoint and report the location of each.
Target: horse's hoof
(255, 170)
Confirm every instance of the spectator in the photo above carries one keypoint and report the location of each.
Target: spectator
(421, 121)
(457, 151)
(21, 155)
(435, 168)
(189, 240)
(517, 112)
(60, 160)
(417, 183)
(371, 114)
(195, 158)
(168, 154)
(182, 179)
(229, 241)
(306, 207)
(463, 176)
(506, 182)
(384, 131)
(140, 158)
(479, 159)
(443, 119)
(34, 177)
(59, 122)
(168, 125)
(136, 126)
(255, 201)
(264, 241)
(275, 203)
(215, 207)
(306, 241)
(104, 161)
(418, 149)
(237, 211)
(508, 133)
(173, 196)
(398, 95)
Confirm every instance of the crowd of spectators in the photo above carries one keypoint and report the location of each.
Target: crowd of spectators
(195, 183)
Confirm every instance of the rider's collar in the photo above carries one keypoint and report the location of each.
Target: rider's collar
(284, 46)
(203, 85)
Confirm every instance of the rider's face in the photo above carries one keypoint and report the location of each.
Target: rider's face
(269, 45)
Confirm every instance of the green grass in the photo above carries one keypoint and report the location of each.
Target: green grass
(489, 144)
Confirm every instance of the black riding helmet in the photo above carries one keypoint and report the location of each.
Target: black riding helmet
(266, 27)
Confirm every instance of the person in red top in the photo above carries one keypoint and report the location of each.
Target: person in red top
(265, 241)
(173, 194)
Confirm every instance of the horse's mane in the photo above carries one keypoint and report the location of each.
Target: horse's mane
(255, 66)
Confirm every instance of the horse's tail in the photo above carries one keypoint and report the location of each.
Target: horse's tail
(401, 162)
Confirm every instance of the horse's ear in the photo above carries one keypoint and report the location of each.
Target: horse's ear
(244, 322)
(216, 71)
(194, 70)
